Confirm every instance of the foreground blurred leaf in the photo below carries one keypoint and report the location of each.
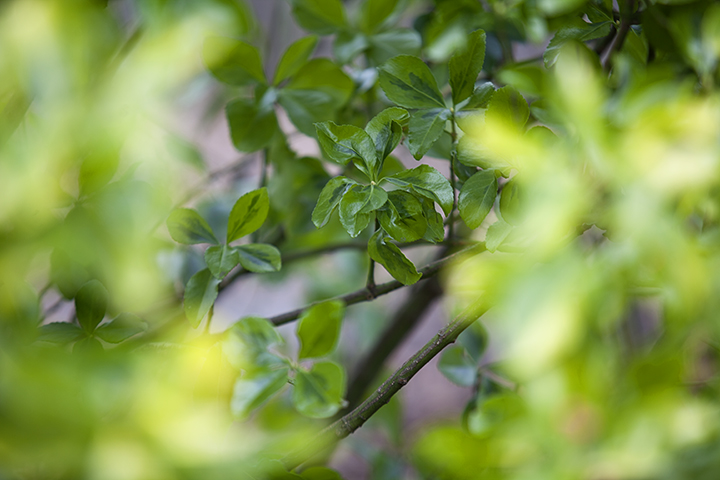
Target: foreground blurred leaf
(121, 328)
(477, 197)
(91, 303)
(251, 391)
(233, 61)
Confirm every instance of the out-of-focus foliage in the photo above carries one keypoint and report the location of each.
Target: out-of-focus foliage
(578, 140)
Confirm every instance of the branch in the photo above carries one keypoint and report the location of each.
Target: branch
(626, 20)
(365, 295)
(355, 419)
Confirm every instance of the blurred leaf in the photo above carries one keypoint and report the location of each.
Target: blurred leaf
(200, 294)
(398, 41)
(465, 66)
(252, 126)
(256, 333)
(259, 257)
(233, 61)
(185, 152)
(575, 30)
(66, 273)
(480, 97)
(319, 328)
(408, 82)
(251, 391)
(220, 259)
(323, 17)
(509, 203)
(91, 303)
(186, 226)
(294, 58)
(121, 328)
(329, 199)
(457, 366)
(428, 182)
(496, 235)
(60, 332)
(348, 45)
(391, 257)
(320, 473)
(424, 129)
(477, 197)
(248, 214)
(402, 217)
(375, 14)
(318, 392)
(507, 106)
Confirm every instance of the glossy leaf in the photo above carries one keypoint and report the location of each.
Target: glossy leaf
(496, 235)
(323, 17)
(330, 197)
(408, 82)
(248, 214)
(457, 366)
(424, 129)
(428, 182)
(465, 66)
(435, 228)
(233, 61)
(252, 391)
(480, 97)
(259, 257)
(188, 227)
(391, 257)
(402, 217)
(60, 332)
(220, 259)
(385, 137)
(319, 328)
(477, 197)
(318, 393)
(200, 294)
(91, 303)
(252, 127)
(121, 328)
(342, 143)
(294, 58)
(356, 206)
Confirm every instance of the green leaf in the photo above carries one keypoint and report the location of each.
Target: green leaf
(496, 235)
(356, 206)
(188, 227)
(381, 130)
(348, 45)
(259, 257)
(256, 333)
(319, 328)
(480, 97)
(575, 29)
(220, 259)
(509, 203)
(507, 106)
(391, 257)
(374, 14)
(248, 214)
(200, 294)
(342, 143)
(435, 228)
(408, 82)
(318, 393)
(253, 390)
(252, 127)
(323, 17)
(294, 58)
(398, 41)
(60, 332)
(91, 303)
(320, 473)
(424, 129)
(428, 182)
(402, 217)
(67, 273)
(457, 366)
(477, 197)
(121, 328)
(247, 342)
(329, 199)
(465, 66)
(233, 61)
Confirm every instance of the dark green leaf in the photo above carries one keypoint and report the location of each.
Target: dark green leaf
(457, 366)
(233, 61)
(220, 259)
(67, 274)
(391, 257)
(294, 58)
(408, 82)
(374, 14)
(252, 127)
(382, 132)
(319, 328)
(399, 41)
(342, 143)
(200, 294)
(435, 228)
(496, 235)
(330, 197)
(251, 391)
(480, 97)
(59, 332)
(318, 393)
(507, 106)
(509, 203)
(349, 45)
(356, 206)
(402, 217)
(576, 29)
(121, 328)
(188, 227)
(323, 17)
(477, 197)
(424, 129)
(428, 182)
(259, 257)
(248, 214)
(91, 304)
(320, 473)
(465, 66)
